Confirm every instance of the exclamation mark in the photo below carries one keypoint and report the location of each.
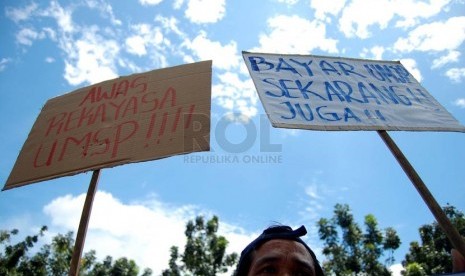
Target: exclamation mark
(189, 117)
(162, 127)
(379, 115)
(368, 114)
(150, 129)
(176, 120)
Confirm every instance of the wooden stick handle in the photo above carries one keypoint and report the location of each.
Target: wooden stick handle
(451, 232)
(82, 231)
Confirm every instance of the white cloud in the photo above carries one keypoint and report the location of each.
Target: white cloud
(20, 14)
(129, 64)
(143, 231)
(49, 60)
(205, 11)
(62, 16)
(411, 10)
(324, 7)
(170, 24)
(359, 15)
(3, 63)
(460, 102)
(456, 74)
(136, 45)
(177, 4)
(154, 41)
(312, 191)
(92, 54)
(26, 36)
(396, 269)
(236, 96)
(144, 36)
(50, 33)
(375, 52)
(411, 66)
(105, 9)
(223, 56)
(90, 59)
(289, 2)
(289, 132)
(452, 56)
(312, 202)
(437, 36)
(293, 34)
(150, 2)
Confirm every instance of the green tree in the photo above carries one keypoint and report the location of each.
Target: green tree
(13, 258)
(102, 268)
(432, 253)
(123, 266)
(55, 258)
(174, 269)
(351, 251)
(414, 269)
(204, 252)
(61, 252)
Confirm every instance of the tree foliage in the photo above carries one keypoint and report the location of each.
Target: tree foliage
(349, 250)
(55, 258)
(432, 255)
(204, 252)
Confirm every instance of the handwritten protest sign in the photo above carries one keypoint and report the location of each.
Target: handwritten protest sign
(129, 119)
(332, 93)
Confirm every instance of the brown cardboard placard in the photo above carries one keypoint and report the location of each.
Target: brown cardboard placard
(130, 119)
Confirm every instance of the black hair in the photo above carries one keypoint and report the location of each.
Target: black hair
(272, 233)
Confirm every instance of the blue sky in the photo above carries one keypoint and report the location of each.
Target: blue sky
(278, 175)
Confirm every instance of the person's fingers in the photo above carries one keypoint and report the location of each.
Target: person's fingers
(458, 261)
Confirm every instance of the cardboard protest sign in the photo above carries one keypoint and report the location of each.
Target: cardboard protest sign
(130, 119)
(332, 93)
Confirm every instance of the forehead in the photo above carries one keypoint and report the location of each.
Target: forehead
(284, 245)
(283, 248)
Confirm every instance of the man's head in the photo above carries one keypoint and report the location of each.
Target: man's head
(277, 251)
